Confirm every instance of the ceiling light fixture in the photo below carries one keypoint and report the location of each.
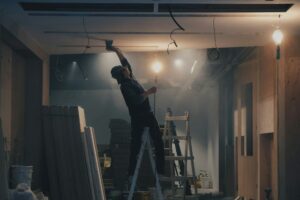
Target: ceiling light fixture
(277, 38)
(156, 67)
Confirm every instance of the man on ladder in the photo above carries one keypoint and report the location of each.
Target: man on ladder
(137, 101)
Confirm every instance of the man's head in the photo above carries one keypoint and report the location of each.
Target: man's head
(120, 73)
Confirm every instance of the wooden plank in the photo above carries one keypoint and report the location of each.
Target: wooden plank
(94, 164)
(177, 118)
(78, 128)
(88, 162)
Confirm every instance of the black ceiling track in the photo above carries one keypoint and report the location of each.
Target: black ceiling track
(217, 8)
(149, 7)
(87, 7)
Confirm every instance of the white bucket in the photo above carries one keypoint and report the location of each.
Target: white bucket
(21, 174)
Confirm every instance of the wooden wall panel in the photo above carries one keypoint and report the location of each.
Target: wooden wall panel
(33, 143)
(6, 92)
(268, 142)
(23, 84)
(266, 89)
(18, 108)
(46, 82)
(292, 128)
(259, 69)
(247, 165)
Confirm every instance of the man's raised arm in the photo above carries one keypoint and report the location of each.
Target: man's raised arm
(119, 53)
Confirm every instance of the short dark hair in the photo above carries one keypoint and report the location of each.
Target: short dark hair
(117, 73)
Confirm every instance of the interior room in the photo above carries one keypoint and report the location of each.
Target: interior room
(210, 89)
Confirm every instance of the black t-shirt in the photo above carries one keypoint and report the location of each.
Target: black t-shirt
(137, 104)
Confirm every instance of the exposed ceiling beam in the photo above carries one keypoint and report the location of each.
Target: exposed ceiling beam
(177, 15)
(159, 7)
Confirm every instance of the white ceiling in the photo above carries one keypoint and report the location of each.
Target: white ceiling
(232, 30)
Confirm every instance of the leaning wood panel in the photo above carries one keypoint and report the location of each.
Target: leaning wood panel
(50, 154)
(79, 124)
(63, 129)
(61, 147)
(88, 158)
(94, 163)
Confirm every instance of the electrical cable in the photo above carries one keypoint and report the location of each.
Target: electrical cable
(173, 40)
(87, 35)
(173, 18)
(214, 29)
(179, 28)
(85, 48)
(214, 53)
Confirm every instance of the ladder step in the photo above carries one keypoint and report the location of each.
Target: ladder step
(177, 178)
(179, 158)
(177, 118)
(176, 137)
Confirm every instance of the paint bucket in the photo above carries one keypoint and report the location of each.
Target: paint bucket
(20, 174)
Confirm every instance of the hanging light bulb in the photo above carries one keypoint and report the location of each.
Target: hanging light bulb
(156, 67)
(277, 36)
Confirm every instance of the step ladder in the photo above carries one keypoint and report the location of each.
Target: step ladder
(145, 145)
(187, 156)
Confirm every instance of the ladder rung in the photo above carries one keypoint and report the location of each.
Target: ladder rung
(177, 178)
(179, 158)
(175, 137)
(177, 118)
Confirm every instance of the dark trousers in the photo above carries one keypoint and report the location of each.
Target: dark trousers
(137, 128)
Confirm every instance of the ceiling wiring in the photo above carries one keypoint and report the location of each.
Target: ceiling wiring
(173, 18)
(85, 48)
(214, 53)
(179, 28)
(87, 35)
(214, 31)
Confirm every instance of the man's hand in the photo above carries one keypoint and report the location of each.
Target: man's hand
(152, 90)
(109, 46)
